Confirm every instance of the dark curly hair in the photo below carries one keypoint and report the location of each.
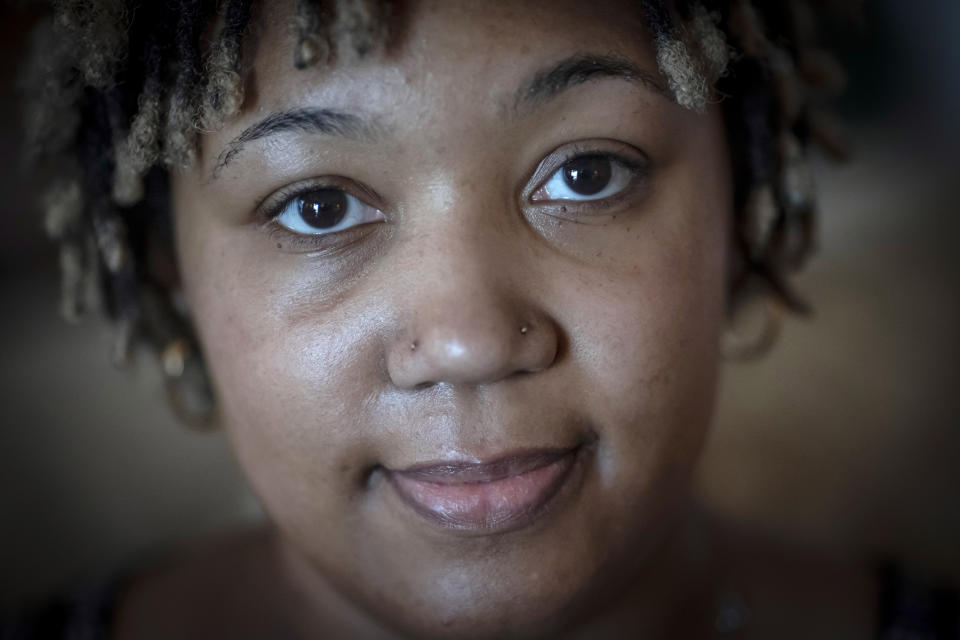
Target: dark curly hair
(121, 90)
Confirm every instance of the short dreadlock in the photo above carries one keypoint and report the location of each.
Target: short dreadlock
(123, 89)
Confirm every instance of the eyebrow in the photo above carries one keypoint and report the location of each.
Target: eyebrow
(306, 120)
(577, 69)
(545, 85)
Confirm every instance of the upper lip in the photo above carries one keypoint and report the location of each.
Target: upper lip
(454, 472)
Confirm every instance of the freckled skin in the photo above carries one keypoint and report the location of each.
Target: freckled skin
(310, 352)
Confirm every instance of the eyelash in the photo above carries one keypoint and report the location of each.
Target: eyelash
(638, 169)
(271, 208)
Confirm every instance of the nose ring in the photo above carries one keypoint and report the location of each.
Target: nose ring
(523, 330)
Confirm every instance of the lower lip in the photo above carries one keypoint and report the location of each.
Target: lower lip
(487, 507)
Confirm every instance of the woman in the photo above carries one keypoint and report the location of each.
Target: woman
(459, 274)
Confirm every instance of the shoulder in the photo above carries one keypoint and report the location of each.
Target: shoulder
(225, 587)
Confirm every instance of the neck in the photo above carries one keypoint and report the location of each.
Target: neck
(674, 592)
(316, 608)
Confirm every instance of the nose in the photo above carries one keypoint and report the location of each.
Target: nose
(469, 316)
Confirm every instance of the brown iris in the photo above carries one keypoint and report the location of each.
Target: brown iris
(323, 208)
(588, 175)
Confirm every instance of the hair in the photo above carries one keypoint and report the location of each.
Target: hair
(122, 89)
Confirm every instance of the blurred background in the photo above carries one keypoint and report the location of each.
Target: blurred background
(846, 436)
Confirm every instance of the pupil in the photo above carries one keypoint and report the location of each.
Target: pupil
(323, 208)
(588, 175)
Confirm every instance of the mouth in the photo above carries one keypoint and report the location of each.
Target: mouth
(486, 497)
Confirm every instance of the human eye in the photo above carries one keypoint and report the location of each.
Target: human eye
(318, 210)
(589, 176)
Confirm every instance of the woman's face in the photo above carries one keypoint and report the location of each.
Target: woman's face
(461, 304)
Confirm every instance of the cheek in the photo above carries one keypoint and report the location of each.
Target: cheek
(663, 335)
(653, 360)
(290, 379)
(649, 331)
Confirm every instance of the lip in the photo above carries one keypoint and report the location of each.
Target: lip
(486, 497)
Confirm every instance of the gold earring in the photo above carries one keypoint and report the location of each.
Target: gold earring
(752, 328)
(188, 388)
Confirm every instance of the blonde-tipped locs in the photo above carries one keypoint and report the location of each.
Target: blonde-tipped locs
(122, 89)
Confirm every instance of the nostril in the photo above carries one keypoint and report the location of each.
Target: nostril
(471, 345)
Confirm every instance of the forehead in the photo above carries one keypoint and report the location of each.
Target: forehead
(475, 46)
(445, 66)
(420, 25)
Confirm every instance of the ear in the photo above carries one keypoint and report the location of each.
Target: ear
(188, 389)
